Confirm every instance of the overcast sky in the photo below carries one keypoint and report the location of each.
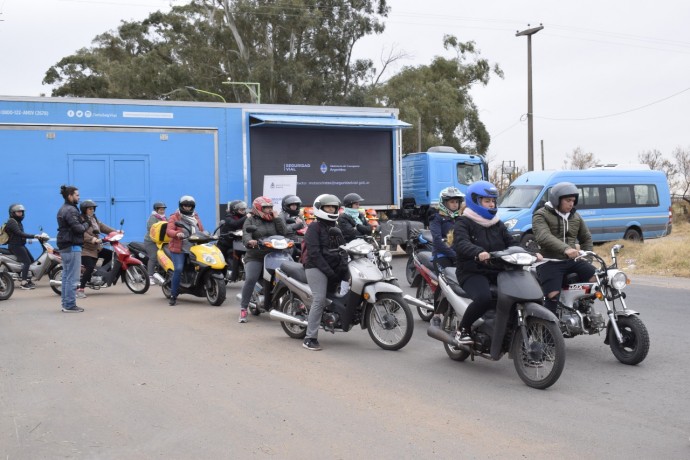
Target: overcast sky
(611, 77)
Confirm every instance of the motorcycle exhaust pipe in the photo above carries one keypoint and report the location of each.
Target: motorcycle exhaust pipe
(418, 303)
(280, 316)
(437, 333)
(159, 279)
(55, 283)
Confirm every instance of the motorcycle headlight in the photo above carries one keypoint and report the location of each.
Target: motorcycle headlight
(510, 223)
(618, 279)
(386, 256)
(209, 259)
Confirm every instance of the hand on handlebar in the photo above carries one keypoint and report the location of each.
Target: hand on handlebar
(572, 253)
(180, 235)
(252, 244)
(483, 256)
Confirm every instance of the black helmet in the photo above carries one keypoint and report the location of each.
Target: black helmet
(290, 200)
(158, 205)
(187, 200)
(326, 200)
(351, 198)
(562, 190)
(16, 208)
(84, 205)
(234, 207)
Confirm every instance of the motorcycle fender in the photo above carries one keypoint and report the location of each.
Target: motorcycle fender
(129, 260)
(618, 313)
(377, 287)
(539, 311)
(218, 275)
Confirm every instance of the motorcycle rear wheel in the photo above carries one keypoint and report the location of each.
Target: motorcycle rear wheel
(166, 287)
(389, 321)
(6, 286)
(56, 275)
(215, 291)
(450, 324)
(410, 270)
(541, 365)
(293, 306)
(635, 344)
(137, 279)
(425, 293)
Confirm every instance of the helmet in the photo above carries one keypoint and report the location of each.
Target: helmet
(446, 194)
(326, 200)
(351, 198)
(258, 207)
(237, 207)
(562, 190)
(158, 205)
(16, 208)
(308, 214)
(187, 200)
(86, 204)
(289, 200)
(482, 189)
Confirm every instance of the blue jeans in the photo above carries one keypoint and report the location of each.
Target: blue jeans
(71, 265)
(178, 262)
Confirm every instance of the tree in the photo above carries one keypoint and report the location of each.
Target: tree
(578, 159)
(437, 95)
(682, 158)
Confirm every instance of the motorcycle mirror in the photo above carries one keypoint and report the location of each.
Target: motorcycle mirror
(178, 224)
(122, 222)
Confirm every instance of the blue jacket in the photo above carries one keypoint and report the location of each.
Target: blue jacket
(440, 226)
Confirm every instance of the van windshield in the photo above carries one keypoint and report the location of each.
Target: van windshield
(519, 196)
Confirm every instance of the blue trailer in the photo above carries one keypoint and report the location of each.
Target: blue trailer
(128, 154)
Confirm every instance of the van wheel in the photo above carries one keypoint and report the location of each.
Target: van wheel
(632, 235)
(529, 242)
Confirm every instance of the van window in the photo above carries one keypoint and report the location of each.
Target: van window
(589, 197)
(469, 173)
(645, 195)
(619, 195)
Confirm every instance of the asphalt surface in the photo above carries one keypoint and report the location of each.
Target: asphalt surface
(132, 377)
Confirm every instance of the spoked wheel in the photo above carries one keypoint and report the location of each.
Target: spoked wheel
(425, 293)
(539, 363)
(410, 270)
(6, 285)
(56, 275)
(215, 290)
(389, 321)
(451, 324)
(166, 287)
(137, 279)
(293, 306)
(635, 344)
(255, 301)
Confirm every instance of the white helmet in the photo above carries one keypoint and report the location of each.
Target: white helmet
(326, 200)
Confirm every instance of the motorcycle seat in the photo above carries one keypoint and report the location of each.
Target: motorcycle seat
(425, 259)
(5, 252)
(167, 252)
(453, 281)
(426, 235)
(137, 246)
(294, 270)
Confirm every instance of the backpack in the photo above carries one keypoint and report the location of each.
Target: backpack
(4, 236)
(158, 232)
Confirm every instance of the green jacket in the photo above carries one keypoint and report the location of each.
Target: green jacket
(555, 234)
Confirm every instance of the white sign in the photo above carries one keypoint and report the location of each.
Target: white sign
(276, 187)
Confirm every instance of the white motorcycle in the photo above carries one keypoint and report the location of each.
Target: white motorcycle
(47, 263)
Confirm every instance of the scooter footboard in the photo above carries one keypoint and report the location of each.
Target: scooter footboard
(378, 288)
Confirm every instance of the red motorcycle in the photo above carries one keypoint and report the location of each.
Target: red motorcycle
(123, 266)
(424, 278)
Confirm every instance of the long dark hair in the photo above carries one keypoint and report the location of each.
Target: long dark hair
(67, 190)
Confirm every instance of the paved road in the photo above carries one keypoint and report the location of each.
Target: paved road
(134, 378)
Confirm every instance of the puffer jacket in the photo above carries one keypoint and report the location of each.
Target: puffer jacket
(92, 235)
(264, 228)
(440, 226)
(71, 226)
(15, 231)
(555, 234)
(175, 244)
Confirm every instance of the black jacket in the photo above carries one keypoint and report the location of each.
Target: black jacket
(71, 226)
(470, 239)
(15, 231)
(321, 252)
(351, 229)
(264, 228)
(439, 226)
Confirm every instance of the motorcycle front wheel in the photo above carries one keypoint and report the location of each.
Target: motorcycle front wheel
(389, 321)
(635, 344)
(215, 290)
(539, 363)
(293, 306)
(410, 270)
(425, 293)
(450, 325)
(137, 279)
(56, 275)
(6, 285)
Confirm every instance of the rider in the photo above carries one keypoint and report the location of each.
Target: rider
(266, 223)
(235, 215)
(557, 229)
(477, 232)
(93, 245)
(441, 226)
(351, 221)
(324, 265)
(157, 215)
(178, 248)
(17, 242)
(290, 214)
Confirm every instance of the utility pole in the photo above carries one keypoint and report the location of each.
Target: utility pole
(530, 130)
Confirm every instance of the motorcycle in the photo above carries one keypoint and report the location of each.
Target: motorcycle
(421, 241)
(426, 280)
(372, 302)
(45, 264)
(204, 269)
(233, 249)
(123, 266)
(625, 333)
(280, 250)
(518, 325)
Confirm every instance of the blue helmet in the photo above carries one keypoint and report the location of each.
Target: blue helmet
(482, 189)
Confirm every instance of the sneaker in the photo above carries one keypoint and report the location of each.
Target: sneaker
(172, 301)
(243, 316)
(311, 344)
(74, 309)
(28, 285)
(152, 281)
(81, 294)
(463, 337)
(436, 321)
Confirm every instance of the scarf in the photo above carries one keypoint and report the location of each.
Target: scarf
(484, 222)
(354, 213)
(159, 216)
(191, 220)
